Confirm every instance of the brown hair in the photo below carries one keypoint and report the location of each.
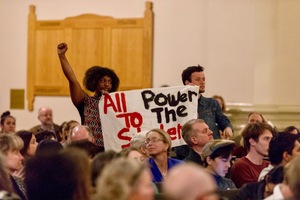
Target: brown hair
(254, 130)
(62, 176)
(223, 108)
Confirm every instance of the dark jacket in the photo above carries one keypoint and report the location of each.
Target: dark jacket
(252, 191)
(194, 157)
(224, 183)
(209, 110)
(39, 128)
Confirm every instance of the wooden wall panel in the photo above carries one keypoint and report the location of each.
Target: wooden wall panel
(127, 53)
(125, 45)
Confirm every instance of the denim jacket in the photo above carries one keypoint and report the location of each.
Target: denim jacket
(209, 110)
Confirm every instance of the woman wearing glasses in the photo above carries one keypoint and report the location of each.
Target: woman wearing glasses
(158, 144)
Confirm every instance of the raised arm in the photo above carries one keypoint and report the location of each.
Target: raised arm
(77, 94)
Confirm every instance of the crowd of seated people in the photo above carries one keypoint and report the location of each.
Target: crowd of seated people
(68, 165)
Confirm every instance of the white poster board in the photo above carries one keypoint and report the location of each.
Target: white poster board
(124, 114)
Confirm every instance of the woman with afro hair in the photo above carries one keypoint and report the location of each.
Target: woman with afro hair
(99, 80)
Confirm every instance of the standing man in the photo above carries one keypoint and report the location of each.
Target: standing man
(45, 116)
(208, 108)
(196, 134)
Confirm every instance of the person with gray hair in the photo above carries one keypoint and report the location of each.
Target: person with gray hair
(196, 134)
(125, 179)
(189, 181)
(138, 142)
(81, 132)
(45, 116)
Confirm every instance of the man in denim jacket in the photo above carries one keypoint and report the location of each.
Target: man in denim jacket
(208, 108)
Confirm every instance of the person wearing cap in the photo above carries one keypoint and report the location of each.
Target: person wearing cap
(196, 134)
(216, 156)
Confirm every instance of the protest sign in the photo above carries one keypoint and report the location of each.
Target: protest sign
(124, 114)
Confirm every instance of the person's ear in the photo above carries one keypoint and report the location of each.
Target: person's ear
(186, 82)
(193, 140)
(252, 142)
(286, 157)
(208, 160)
(166, 148)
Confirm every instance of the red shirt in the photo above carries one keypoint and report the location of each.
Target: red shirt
(244, 171)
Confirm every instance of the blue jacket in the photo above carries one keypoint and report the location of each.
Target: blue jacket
(209, 110)
(156, 175)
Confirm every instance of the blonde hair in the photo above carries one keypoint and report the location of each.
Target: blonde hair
(119, 178)
(165, 137)
(292, 176)
(5, 182)
(10, 142)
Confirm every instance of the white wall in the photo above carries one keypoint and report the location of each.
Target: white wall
(250, 48)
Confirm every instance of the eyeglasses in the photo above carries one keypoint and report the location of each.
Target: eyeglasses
(153, 140)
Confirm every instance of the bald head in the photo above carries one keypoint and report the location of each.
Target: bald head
(189, 181)
(45, 115)
(81, 132)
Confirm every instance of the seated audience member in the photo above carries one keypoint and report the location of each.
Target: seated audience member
(282, 149)
(5, 182)
(132, 152)
(45, 116)
(196, 134)
(7, 123)
(189, 181)
(28, 150)
(138, 142)
(10, 146)
(125, 179)
(292, 179)
(66, 131)
(99, 162)
(291, 129)
(289, 188)
(216, 156)
(256, 137)
(44, 135)
(89, 147)
(6, 190)
(81, 132)
(48, 147)
(30, 143)
(61, 176)
(61, 131)
(158, 143)
(221, 102)
(263, 188)
(240, 150)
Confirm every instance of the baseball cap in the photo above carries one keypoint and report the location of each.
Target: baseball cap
(212, 146)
